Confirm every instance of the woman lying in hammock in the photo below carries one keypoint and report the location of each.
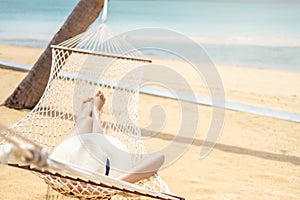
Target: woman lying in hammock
(89, 148)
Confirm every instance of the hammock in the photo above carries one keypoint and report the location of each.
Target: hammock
(25, 154)
(94, 60)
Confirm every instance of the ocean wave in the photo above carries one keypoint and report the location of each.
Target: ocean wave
(225, 40)
(250, 41)
(25, 42)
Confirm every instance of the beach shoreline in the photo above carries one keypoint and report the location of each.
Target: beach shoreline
(255, 157)
(266, 88)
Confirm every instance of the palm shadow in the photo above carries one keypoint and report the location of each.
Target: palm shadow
(224, 147)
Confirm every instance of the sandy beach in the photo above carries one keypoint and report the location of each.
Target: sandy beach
(256, 157)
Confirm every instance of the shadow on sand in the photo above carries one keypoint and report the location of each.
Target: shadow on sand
(225, 147)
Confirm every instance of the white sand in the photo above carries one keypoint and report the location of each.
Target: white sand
(256, 157)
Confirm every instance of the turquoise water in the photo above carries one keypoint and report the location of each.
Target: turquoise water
(253, 34)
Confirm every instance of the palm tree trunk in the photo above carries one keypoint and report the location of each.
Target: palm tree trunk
(31, 89)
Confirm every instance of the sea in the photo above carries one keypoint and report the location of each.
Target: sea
(243, 33)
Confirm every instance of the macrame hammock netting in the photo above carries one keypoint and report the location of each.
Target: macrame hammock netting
(94, 60)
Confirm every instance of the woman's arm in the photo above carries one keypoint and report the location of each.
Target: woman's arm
(145, 168)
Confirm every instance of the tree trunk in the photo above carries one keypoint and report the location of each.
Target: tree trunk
(31, 89)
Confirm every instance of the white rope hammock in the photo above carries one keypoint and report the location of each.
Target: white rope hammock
(27, 155)
(94, 60)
